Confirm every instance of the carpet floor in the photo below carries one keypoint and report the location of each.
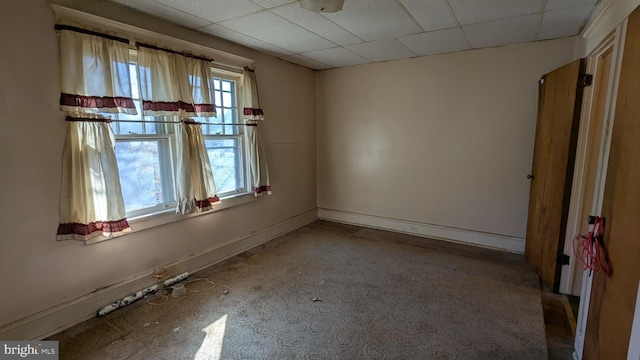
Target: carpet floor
(330, 291)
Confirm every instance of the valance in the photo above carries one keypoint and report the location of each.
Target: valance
(173, 84)
(94, 75)
(250, 99)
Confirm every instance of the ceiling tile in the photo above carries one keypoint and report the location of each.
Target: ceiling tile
(563, 4)
(336, 57)
(214, 10)
(277, 31)
(431, 14)
(168, 13)
(316, 23)
(437, 42)
(272, 3)
(382, 50)
(375, 19)
(476, 11)
(503, 32)
(305, 61)
(242, 39)
(565, 22)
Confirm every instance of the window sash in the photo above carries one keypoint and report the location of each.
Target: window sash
(240, 176)
(166, 160)
(145, 130)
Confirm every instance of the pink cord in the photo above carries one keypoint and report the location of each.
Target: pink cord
(589, 249)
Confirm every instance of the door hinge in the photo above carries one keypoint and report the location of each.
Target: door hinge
(586, 80)
(566, 259)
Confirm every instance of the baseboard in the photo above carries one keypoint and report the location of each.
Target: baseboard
(62, 316)
(477, 238)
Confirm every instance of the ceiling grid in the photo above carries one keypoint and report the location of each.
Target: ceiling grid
(367, 31)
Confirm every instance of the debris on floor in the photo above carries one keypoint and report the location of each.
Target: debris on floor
(315, 299)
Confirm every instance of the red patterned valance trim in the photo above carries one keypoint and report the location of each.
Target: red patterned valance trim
(205, 109)
(176, 106)
(253, 112)
(207, 203)
(262, 190)
(101, 103)
(98, 226)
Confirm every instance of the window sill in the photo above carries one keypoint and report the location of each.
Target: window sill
(169, 216)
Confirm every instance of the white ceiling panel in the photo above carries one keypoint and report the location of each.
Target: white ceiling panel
(520, 29)
(431, 14)
(437, 42)
(305, 61)
(476, 11)
(382, 50)
(165, 12)
(373, 30)
(243, 39)
(336, 57)
(317, 23)
(273, 29)
(272, 3)
(565, 22)
(563, 4)
(375, 19)
(214, 10)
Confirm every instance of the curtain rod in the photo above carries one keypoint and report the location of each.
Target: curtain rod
(91, 32)
(153, 47)
(73, 118)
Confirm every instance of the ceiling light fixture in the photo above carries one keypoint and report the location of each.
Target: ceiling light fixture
(325, 6)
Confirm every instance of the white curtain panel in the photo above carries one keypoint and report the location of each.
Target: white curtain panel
(94, 75)
(259, 170)
(250, 98)
(195, 183)
(91, 202)
(174, 84)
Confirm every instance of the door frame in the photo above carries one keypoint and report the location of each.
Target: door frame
(634, 342)
(577, 208)
(616, 39)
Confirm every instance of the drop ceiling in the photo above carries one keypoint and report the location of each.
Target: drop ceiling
(367, 31)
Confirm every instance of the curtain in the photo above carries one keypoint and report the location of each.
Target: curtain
(257, 158)
(94, 79)
(180, 87)
(196, 187)
(94, 75)
(257, 162)
(174, 84)
(91, 199)
(250, 98)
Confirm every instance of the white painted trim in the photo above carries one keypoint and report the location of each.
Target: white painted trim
(603, 163)
(608, 15)
(65, 315)
(634, 342)
(465, 236)
(576, 209)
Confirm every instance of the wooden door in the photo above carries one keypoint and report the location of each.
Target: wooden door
(559, 104)
(613, 297)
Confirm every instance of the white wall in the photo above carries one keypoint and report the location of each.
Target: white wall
(36, 272)
(441, 140)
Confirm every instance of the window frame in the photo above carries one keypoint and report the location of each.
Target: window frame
(241, 161)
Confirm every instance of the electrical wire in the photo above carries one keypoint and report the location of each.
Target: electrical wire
(213, 285)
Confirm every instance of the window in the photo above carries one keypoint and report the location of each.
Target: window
(145, 149)
(225, 142)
